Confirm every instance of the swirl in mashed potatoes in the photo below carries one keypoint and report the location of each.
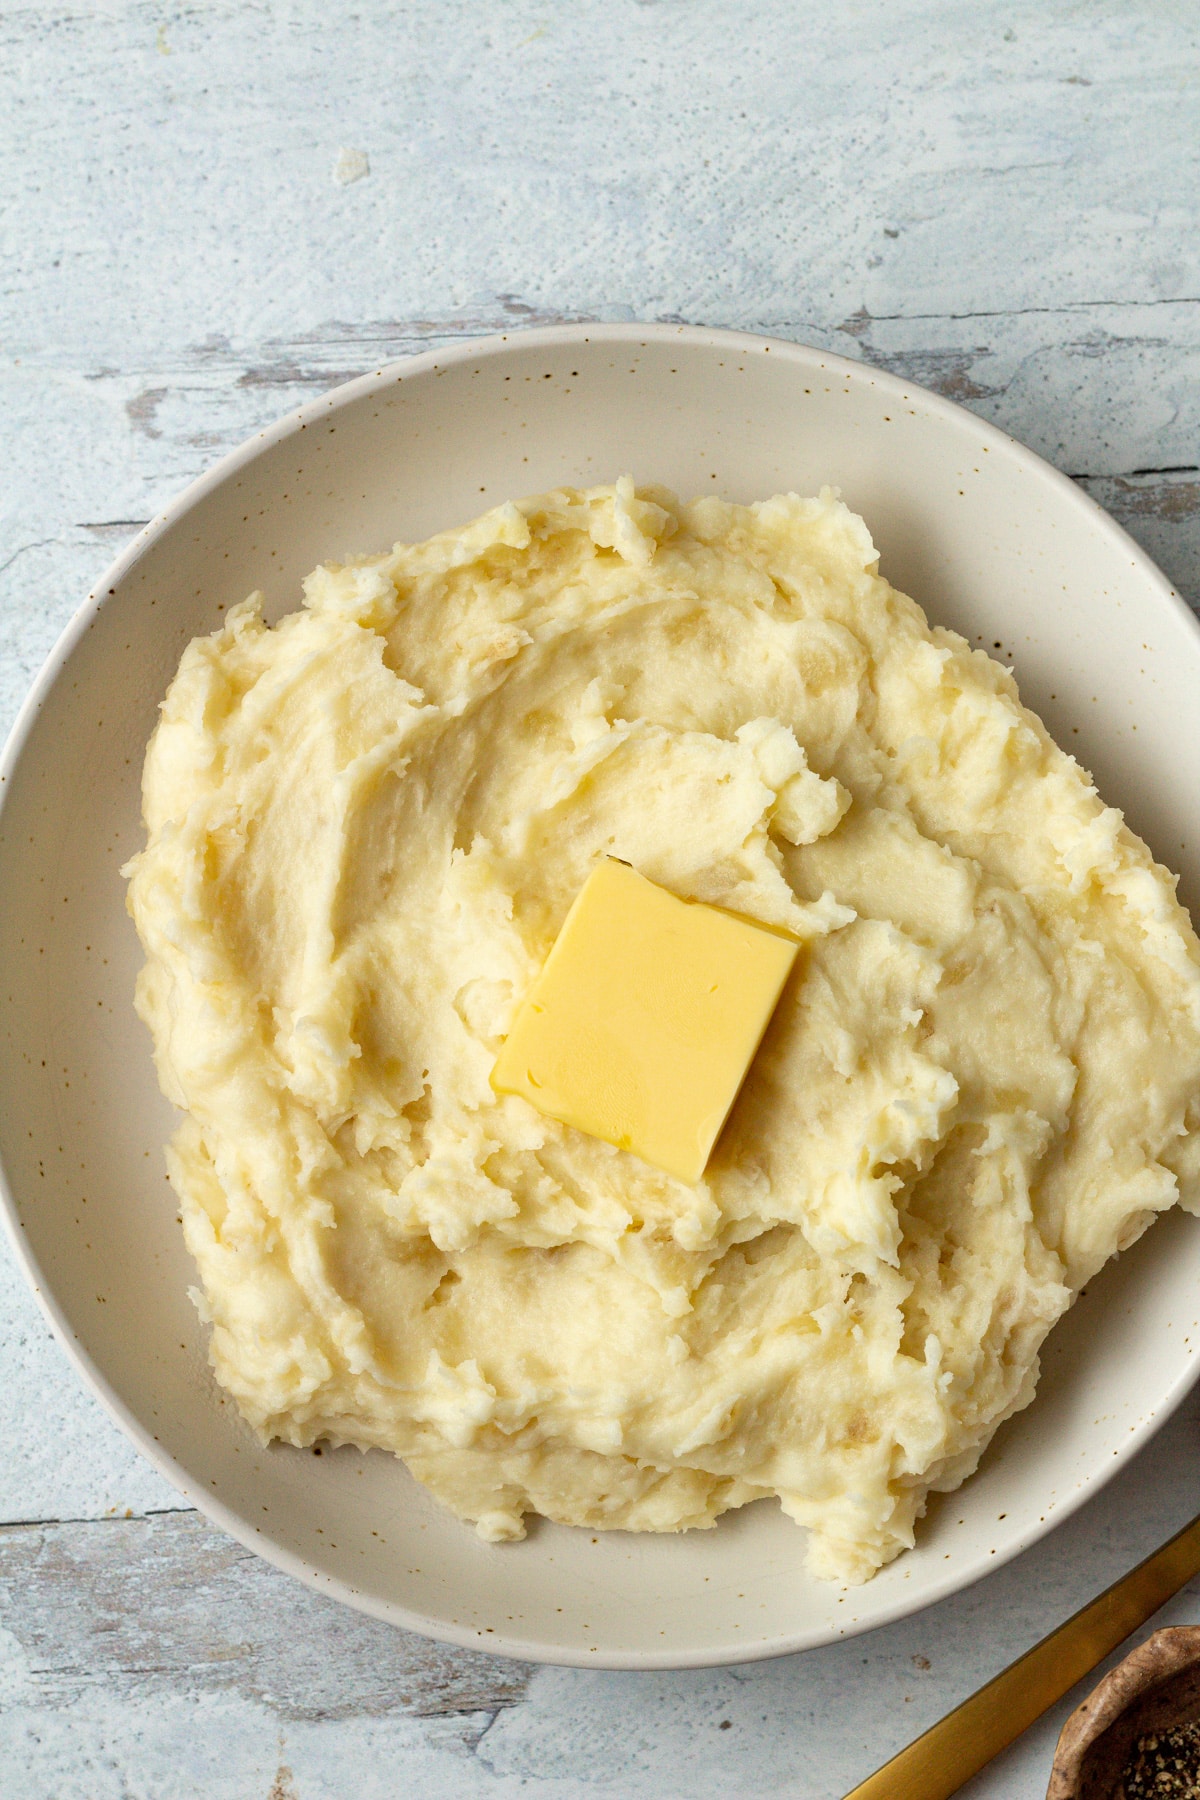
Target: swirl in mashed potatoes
(366, 825)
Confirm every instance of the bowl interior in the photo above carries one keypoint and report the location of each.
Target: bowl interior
(985, 536)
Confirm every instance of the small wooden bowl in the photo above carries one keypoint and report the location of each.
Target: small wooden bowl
(1156, 1688)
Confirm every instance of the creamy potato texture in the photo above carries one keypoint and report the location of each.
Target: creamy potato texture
(365, 827)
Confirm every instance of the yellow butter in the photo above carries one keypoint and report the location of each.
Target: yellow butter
(644, 1020)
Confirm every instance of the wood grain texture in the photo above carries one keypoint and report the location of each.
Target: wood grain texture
(992, 201)
(175, 164)
(207, 1615)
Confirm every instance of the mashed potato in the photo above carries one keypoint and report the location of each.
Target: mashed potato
(365, 828)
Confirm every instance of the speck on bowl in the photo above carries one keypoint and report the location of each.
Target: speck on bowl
(986, 536)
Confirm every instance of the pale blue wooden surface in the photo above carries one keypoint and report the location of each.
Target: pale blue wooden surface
(999, 201)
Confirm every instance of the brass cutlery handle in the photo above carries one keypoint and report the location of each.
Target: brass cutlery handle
(937, 1764)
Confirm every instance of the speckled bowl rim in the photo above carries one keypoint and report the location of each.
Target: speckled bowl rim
(475, 350)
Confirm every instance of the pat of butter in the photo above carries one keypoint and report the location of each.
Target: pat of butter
(643, 1023)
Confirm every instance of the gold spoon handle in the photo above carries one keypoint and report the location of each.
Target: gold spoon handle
(937, 1764)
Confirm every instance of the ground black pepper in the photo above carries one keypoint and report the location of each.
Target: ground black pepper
(1164, 1765)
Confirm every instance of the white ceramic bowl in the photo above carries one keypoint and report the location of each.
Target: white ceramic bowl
(984, 534)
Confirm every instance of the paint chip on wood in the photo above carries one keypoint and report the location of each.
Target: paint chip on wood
(350, 165)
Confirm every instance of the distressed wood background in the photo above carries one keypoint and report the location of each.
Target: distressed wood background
(211, 212)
